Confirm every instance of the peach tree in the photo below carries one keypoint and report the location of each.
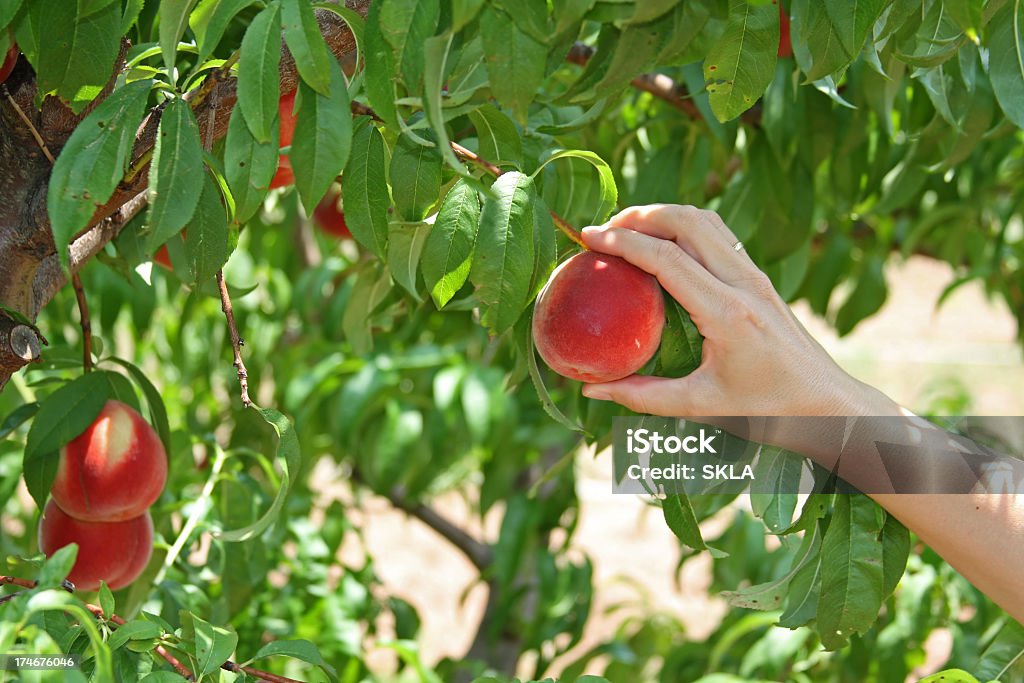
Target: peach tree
(164, 168)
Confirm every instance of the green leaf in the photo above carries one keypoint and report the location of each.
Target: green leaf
(771, 595)
(524, 337)
(503, 263)
(302, 34)
(681, 342)
(8, 10)
(62, 416)
(380, 68)
(406, 26)
(968, 14)
(365, 190)
(448, 252)
(249, 165)
(435, 73)
(609, 196)
(71, 50)
(741, 63)
(516, 61)
(681, 519)
(829, 34)
(323, 137)
(405, 247)
(499, 139)
(258, 87)
(296, 649)
(372, 286)
(895, 552)
(866, 298)
(288, 455)
(134, 630)
(213, 644)
(773, 493)
(206, 238)
(1006, 61)
(92, 162)
(852, 582)
(1004, 655)
(950, 676)
(210, 19)
(17, 417)
(545, 250)
(464, 11)
(173, 20)
(176, 173)
(651, 9)
(416, 178)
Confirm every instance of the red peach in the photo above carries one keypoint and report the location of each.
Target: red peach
(114, 470)
(599, 318)
(285, 107)
(785, 44)
(329, 217)
(115, 552)
(163, 258)
(9, 61)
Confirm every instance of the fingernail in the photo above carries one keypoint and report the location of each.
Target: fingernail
(594, 230)
(596, 393)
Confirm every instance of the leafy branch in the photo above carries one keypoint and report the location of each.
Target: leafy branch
(162, 651)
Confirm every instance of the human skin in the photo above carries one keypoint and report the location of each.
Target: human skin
(115, 552)
(112, 471)
(759, 360)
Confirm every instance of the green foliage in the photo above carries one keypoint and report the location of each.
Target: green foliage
(895, 129)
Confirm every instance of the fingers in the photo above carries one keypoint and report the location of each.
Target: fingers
(687, 281)
(650, 395)
(702, 234)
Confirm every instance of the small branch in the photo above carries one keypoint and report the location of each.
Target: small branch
(8, 598)
(236, 341)
(477, 552)
(28, 125)
(659, 85)
(572, 233)
(83, 314)
(15, 581)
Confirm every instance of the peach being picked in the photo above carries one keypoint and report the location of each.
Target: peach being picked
(599, 318)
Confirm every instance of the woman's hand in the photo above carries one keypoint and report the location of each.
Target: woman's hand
(758, 359)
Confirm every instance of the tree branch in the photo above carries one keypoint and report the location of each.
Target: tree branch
(477, 552)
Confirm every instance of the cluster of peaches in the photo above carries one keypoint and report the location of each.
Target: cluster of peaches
(107, 479)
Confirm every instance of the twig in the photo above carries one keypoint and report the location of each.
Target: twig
(8, 598)
(236, 341)
(659, 85)
(15, 581)
(468, 155)
(83, 314)
(28, 124)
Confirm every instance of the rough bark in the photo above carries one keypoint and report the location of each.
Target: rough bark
(30, 272)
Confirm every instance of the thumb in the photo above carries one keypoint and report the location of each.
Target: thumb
(650, 395)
